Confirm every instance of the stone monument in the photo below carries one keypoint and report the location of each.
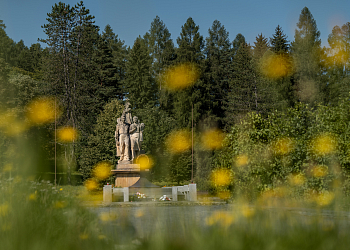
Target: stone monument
(129, 137)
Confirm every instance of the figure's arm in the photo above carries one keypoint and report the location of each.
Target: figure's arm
(132, 128)
(116, 135)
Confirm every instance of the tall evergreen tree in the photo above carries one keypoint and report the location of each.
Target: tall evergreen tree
(217, 62)
(306, 51)
(162, 51)
(237, 42)
(160, 45)
(279, 43)
(190, 43)
(242, 95)
(6, 44)
(260, 46)
(190, 50)
(119, 53)
(139, 82)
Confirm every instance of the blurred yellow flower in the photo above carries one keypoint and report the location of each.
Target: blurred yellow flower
(283, 146)
(107, 217)
(11, 123)
(297, 179)
(102, 170)
(221, 177)
(32, 197)
(67, 134)
(275, 66)
(91, 184)
(224, 195)
(241, 160)
(101, 237)
(84, 236)
(8, 167)
(6, 227)
(139, 213)
(179, 141)
(212, 139)
(325, 198)
(180, 76)
(4, 209)
(324, 144)
(59, 204)
(319, 171)
(42, 110)
(145, 162)
(247, 211)
(224, 219)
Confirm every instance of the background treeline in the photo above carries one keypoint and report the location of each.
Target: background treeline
(92, 72)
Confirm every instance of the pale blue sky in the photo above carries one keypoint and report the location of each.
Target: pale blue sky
(131, 18)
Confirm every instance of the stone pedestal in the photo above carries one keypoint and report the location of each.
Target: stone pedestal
(126, 174)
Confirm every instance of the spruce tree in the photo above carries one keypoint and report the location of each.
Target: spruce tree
(119, 53)
(306, 51)
(260, 46)
(216, 72)
(237, 42)
(162, 51)
(242, 95)
(279, 42)
(139, 82)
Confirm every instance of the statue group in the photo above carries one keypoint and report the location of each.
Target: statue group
(128, 136)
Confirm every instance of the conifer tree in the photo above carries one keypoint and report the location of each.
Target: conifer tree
(242, 95)
(119, 53)
(190, 50)
(139, 82)
(216, 72)
(279, 43)
(162, 51)
(306, 51)
(190, 43)
(237, 42)
(260, 46)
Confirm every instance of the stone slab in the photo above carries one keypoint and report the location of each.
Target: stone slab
(128, 167)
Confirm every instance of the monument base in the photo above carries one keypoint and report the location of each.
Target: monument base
(126, 174)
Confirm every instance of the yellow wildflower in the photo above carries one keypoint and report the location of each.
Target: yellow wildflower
(221, 177)
(179, 141)
(180, 76)
(67, 134)
(212, 139)
(242, 160)
(102, 170)
(42, 110)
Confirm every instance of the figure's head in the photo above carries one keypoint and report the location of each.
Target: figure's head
(135, 119)
(118, 120)
(122, 119)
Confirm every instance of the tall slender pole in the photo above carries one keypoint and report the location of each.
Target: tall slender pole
(192, 146)
(55, 145)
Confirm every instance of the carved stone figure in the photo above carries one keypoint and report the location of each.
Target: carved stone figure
(135, 138)
(122, 132)
(116, 136)
(128, 136)
(127, 114)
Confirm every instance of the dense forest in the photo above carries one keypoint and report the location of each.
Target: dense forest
(91, 72)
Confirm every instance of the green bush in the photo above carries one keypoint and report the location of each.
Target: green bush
(306, 149)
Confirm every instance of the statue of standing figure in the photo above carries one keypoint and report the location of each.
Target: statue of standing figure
(136, 137)
(128, 137)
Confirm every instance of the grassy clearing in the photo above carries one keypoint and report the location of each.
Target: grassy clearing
(35, 215)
